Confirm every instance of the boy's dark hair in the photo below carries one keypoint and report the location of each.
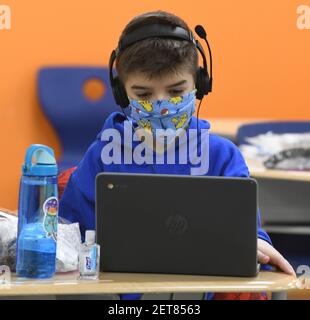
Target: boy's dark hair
(156, 57)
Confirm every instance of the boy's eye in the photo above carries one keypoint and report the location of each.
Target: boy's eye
(176, 92)
(143, 95)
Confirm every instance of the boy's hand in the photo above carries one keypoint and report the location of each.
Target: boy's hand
(267, 254)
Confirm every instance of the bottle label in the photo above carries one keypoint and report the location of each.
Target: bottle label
(89, 261)
(50, 209)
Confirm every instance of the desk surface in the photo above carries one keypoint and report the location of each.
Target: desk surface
(257, 170)
(115, 283)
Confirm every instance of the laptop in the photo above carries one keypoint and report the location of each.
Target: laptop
(175, 224)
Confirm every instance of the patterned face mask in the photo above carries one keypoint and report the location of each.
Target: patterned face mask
(174, 113)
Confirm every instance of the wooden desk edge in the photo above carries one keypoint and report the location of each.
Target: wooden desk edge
(116, 283)
(257, 170)
(280, 175)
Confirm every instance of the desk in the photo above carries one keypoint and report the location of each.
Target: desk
(281, 193)
(115, 283)
(228, 127)
(283, 198)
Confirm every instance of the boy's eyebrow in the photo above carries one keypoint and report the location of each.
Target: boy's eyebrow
(177, 84)
(172, 85)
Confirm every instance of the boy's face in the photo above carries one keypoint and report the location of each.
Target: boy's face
(139, 87)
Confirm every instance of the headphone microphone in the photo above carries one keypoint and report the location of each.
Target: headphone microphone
(201, 32)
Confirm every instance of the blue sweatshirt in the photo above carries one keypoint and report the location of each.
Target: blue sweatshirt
(78, 200)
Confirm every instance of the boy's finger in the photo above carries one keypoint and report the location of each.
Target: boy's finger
(278, 260)
(262, 258)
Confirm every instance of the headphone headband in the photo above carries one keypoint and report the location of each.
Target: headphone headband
(155, 30)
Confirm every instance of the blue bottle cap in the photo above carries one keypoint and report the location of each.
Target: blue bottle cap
(40, 161)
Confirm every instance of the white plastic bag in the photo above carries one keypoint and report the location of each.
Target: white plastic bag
(268, 147)
(8, 232)
(68, 246)
(68, 243)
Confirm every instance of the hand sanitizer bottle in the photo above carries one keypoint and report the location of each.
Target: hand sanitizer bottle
(89, 257)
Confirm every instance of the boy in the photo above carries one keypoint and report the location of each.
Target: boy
(163, 71)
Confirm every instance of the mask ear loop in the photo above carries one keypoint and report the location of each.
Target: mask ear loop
(198, 110)
(197, 126)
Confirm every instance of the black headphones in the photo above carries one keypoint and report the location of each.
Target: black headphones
(203, 80)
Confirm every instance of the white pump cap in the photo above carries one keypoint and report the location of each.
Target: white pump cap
(90, 236)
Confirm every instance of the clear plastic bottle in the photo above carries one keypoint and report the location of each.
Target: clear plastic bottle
(89, 257)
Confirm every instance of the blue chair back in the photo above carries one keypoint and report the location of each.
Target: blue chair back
(76, 119)
(254, 129)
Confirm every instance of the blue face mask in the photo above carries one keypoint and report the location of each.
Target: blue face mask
(174, 113)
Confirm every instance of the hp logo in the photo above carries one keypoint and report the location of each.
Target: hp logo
(176, 224)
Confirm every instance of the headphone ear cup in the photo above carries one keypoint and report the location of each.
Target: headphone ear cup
(119, 93)
(202, 83)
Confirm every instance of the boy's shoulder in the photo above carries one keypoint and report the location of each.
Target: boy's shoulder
(219, 142)
(114, 121)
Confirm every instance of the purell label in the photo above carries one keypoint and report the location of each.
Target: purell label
(89, 261)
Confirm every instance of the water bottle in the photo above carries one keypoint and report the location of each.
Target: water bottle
(37, 214)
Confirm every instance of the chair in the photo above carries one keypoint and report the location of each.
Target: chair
(66, 95)
(254, 129)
